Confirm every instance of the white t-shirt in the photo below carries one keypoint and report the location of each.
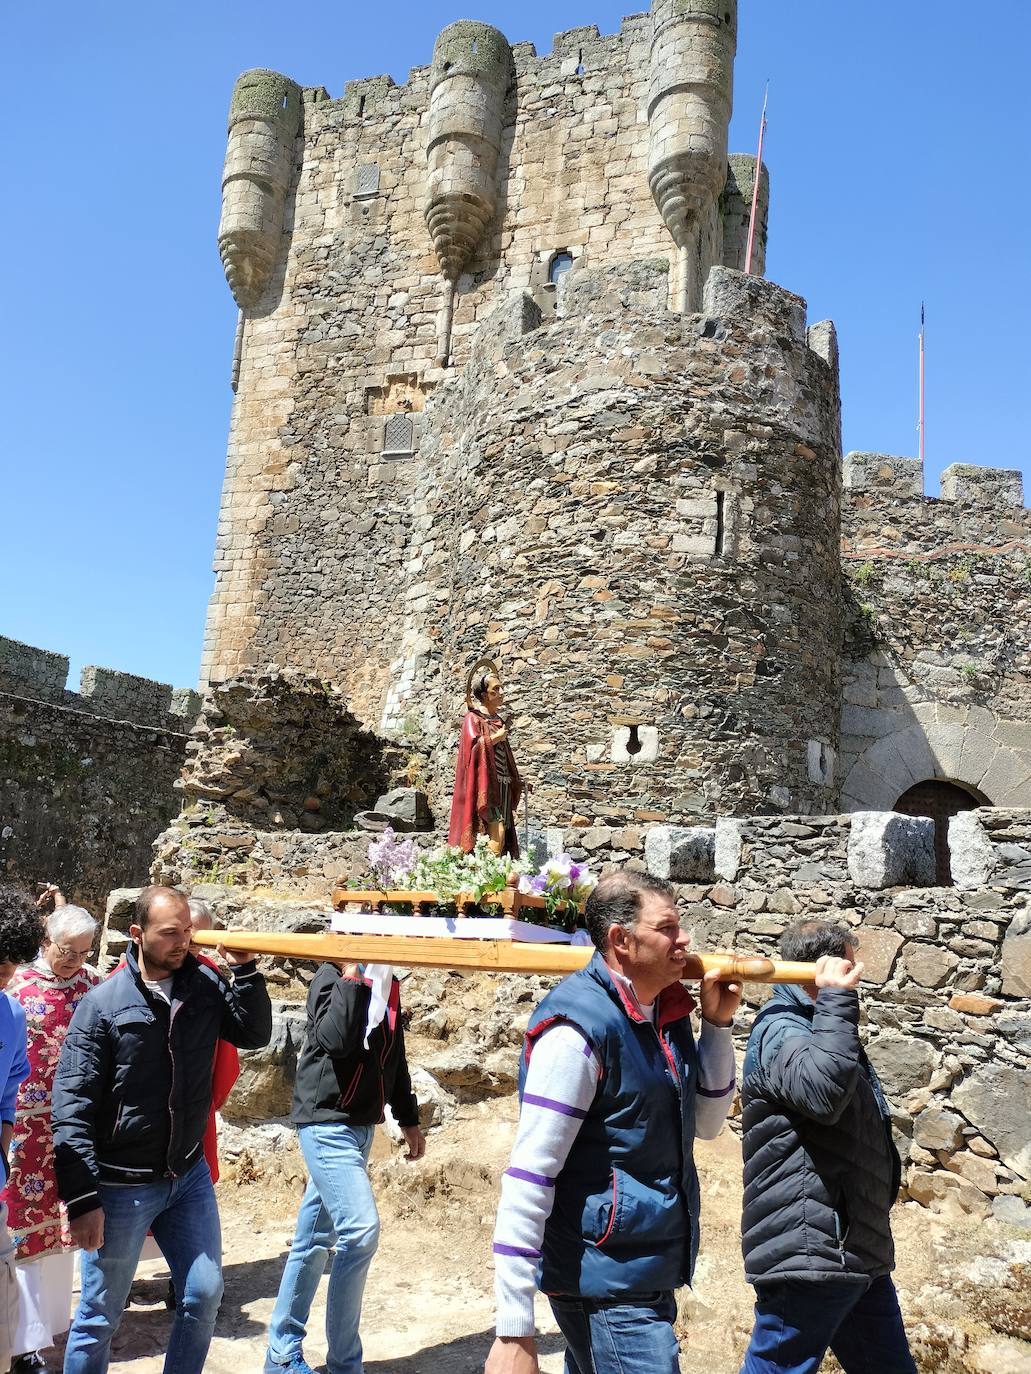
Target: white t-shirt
(160, 987)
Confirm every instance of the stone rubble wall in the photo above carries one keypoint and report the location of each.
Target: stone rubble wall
(612, 505)
(946, 991)
(341, 353)
(947, 987)
(937, 672)
(86, 778)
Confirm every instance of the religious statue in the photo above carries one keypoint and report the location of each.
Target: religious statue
(487, 782)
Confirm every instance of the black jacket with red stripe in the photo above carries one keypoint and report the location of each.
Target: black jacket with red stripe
(338, 1079)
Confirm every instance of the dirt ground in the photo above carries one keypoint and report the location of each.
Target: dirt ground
(966, 1289)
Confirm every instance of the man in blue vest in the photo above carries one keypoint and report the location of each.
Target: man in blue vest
(599, 1205)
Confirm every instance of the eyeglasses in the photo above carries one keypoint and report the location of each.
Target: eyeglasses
(80, 957)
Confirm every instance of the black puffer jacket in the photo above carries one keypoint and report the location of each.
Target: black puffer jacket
(338, 1079)
(821, 1170)
(132, 1092)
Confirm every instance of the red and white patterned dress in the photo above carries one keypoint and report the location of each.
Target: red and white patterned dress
(36, 1219)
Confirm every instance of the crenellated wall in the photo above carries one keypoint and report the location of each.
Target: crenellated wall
(86, 778)
(937, 673)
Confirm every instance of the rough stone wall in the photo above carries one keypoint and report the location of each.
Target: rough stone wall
(276, 768)
(947, 987)
(637, 514)
(937, 673)
(946, 991)
(86, 779)
(341, 354)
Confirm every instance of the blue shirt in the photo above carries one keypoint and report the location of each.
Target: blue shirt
(14, 1060)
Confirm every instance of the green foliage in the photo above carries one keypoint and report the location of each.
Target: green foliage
(863, 574)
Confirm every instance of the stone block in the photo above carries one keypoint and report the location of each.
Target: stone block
(265, 1086)
(641, 285)
(869, 471)
(406, 804)
(889, 850)
(980, 1172)
(938, 1129)
(1016, 956)
(635, 744)
(970, 1004)
(1012, 1211)
(735, 297)
(878, 949)
(683, 854)
(928, 965)
(903, 1062)
(946, 1193)
(727, 853)
(30, 672)
(991, 488)
(822, 338)
(994, 1099)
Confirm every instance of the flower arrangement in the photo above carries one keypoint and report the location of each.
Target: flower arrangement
(399, 864)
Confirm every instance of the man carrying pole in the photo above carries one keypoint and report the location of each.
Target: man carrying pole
(599, 1205)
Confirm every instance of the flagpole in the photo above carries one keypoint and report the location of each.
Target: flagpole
(920, 420)
(755, 184)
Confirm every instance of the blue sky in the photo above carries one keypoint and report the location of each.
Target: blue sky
(897, 152)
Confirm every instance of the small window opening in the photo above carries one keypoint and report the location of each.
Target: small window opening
(580, 63)
(286, 100)
(447, 66)
(474, 47)
(560, 263)
(361, 107)
(633, 744)
(721, 524)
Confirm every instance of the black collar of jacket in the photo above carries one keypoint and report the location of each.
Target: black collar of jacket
(181, 979)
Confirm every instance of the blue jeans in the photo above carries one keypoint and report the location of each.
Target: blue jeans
(183, 1216)
(631, 1336)
(338, 1210)
(796, 1324)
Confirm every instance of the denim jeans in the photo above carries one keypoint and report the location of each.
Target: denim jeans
(796, 1323)
(631, 1336)
(183, 1215)
(338, 1210)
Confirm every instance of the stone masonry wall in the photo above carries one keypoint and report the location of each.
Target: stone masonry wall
(947, 982)
(340, 357)
(637, 513)
(86, 779)
(937, 673)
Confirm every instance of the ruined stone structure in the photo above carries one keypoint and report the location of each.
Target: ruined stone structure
(86, 778)
(503, 389)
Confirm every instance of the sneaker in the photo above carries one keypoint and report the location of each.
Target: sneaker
(31, 1363)
(296, 1364)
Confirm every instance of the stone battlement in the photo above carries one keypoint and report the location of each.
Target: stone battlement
(886, 512)
(40, 675)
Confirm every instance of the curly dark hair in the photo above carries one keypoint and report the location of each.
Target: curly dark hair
(21, 926)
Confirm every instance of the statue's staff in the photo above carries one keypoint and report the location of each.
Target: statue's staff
(488, 956)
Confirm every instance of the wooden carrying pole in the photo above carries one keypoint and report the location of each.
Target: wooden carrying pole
(486, 956)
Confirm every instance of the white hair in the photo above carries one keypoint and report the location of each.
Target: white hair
(199, 908)
(69, 922)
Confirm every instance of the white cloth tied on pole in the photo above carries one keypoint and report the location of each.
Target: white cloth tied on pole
(378, 977)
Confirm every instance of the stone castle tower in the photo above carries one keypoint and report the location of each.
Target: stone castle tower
(503, 388)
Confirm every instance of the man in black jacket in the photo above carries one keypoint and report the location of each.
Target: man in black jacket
(132, 1095)
(821, 1175)
(352, 1063)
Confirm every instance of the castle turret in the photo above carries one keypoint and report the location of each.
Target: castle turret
(737, 212)
(468, 83)
(264, 120)
(689, 101)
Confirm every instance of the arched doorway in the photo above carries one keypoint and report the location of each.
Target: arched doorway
(941, 801)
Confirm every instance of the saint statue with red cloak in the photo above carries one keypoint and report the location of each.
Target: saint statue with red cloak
(487, 782)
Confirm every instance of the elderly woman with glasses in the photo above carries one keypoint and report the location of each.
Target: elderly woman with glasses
(49, 990)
